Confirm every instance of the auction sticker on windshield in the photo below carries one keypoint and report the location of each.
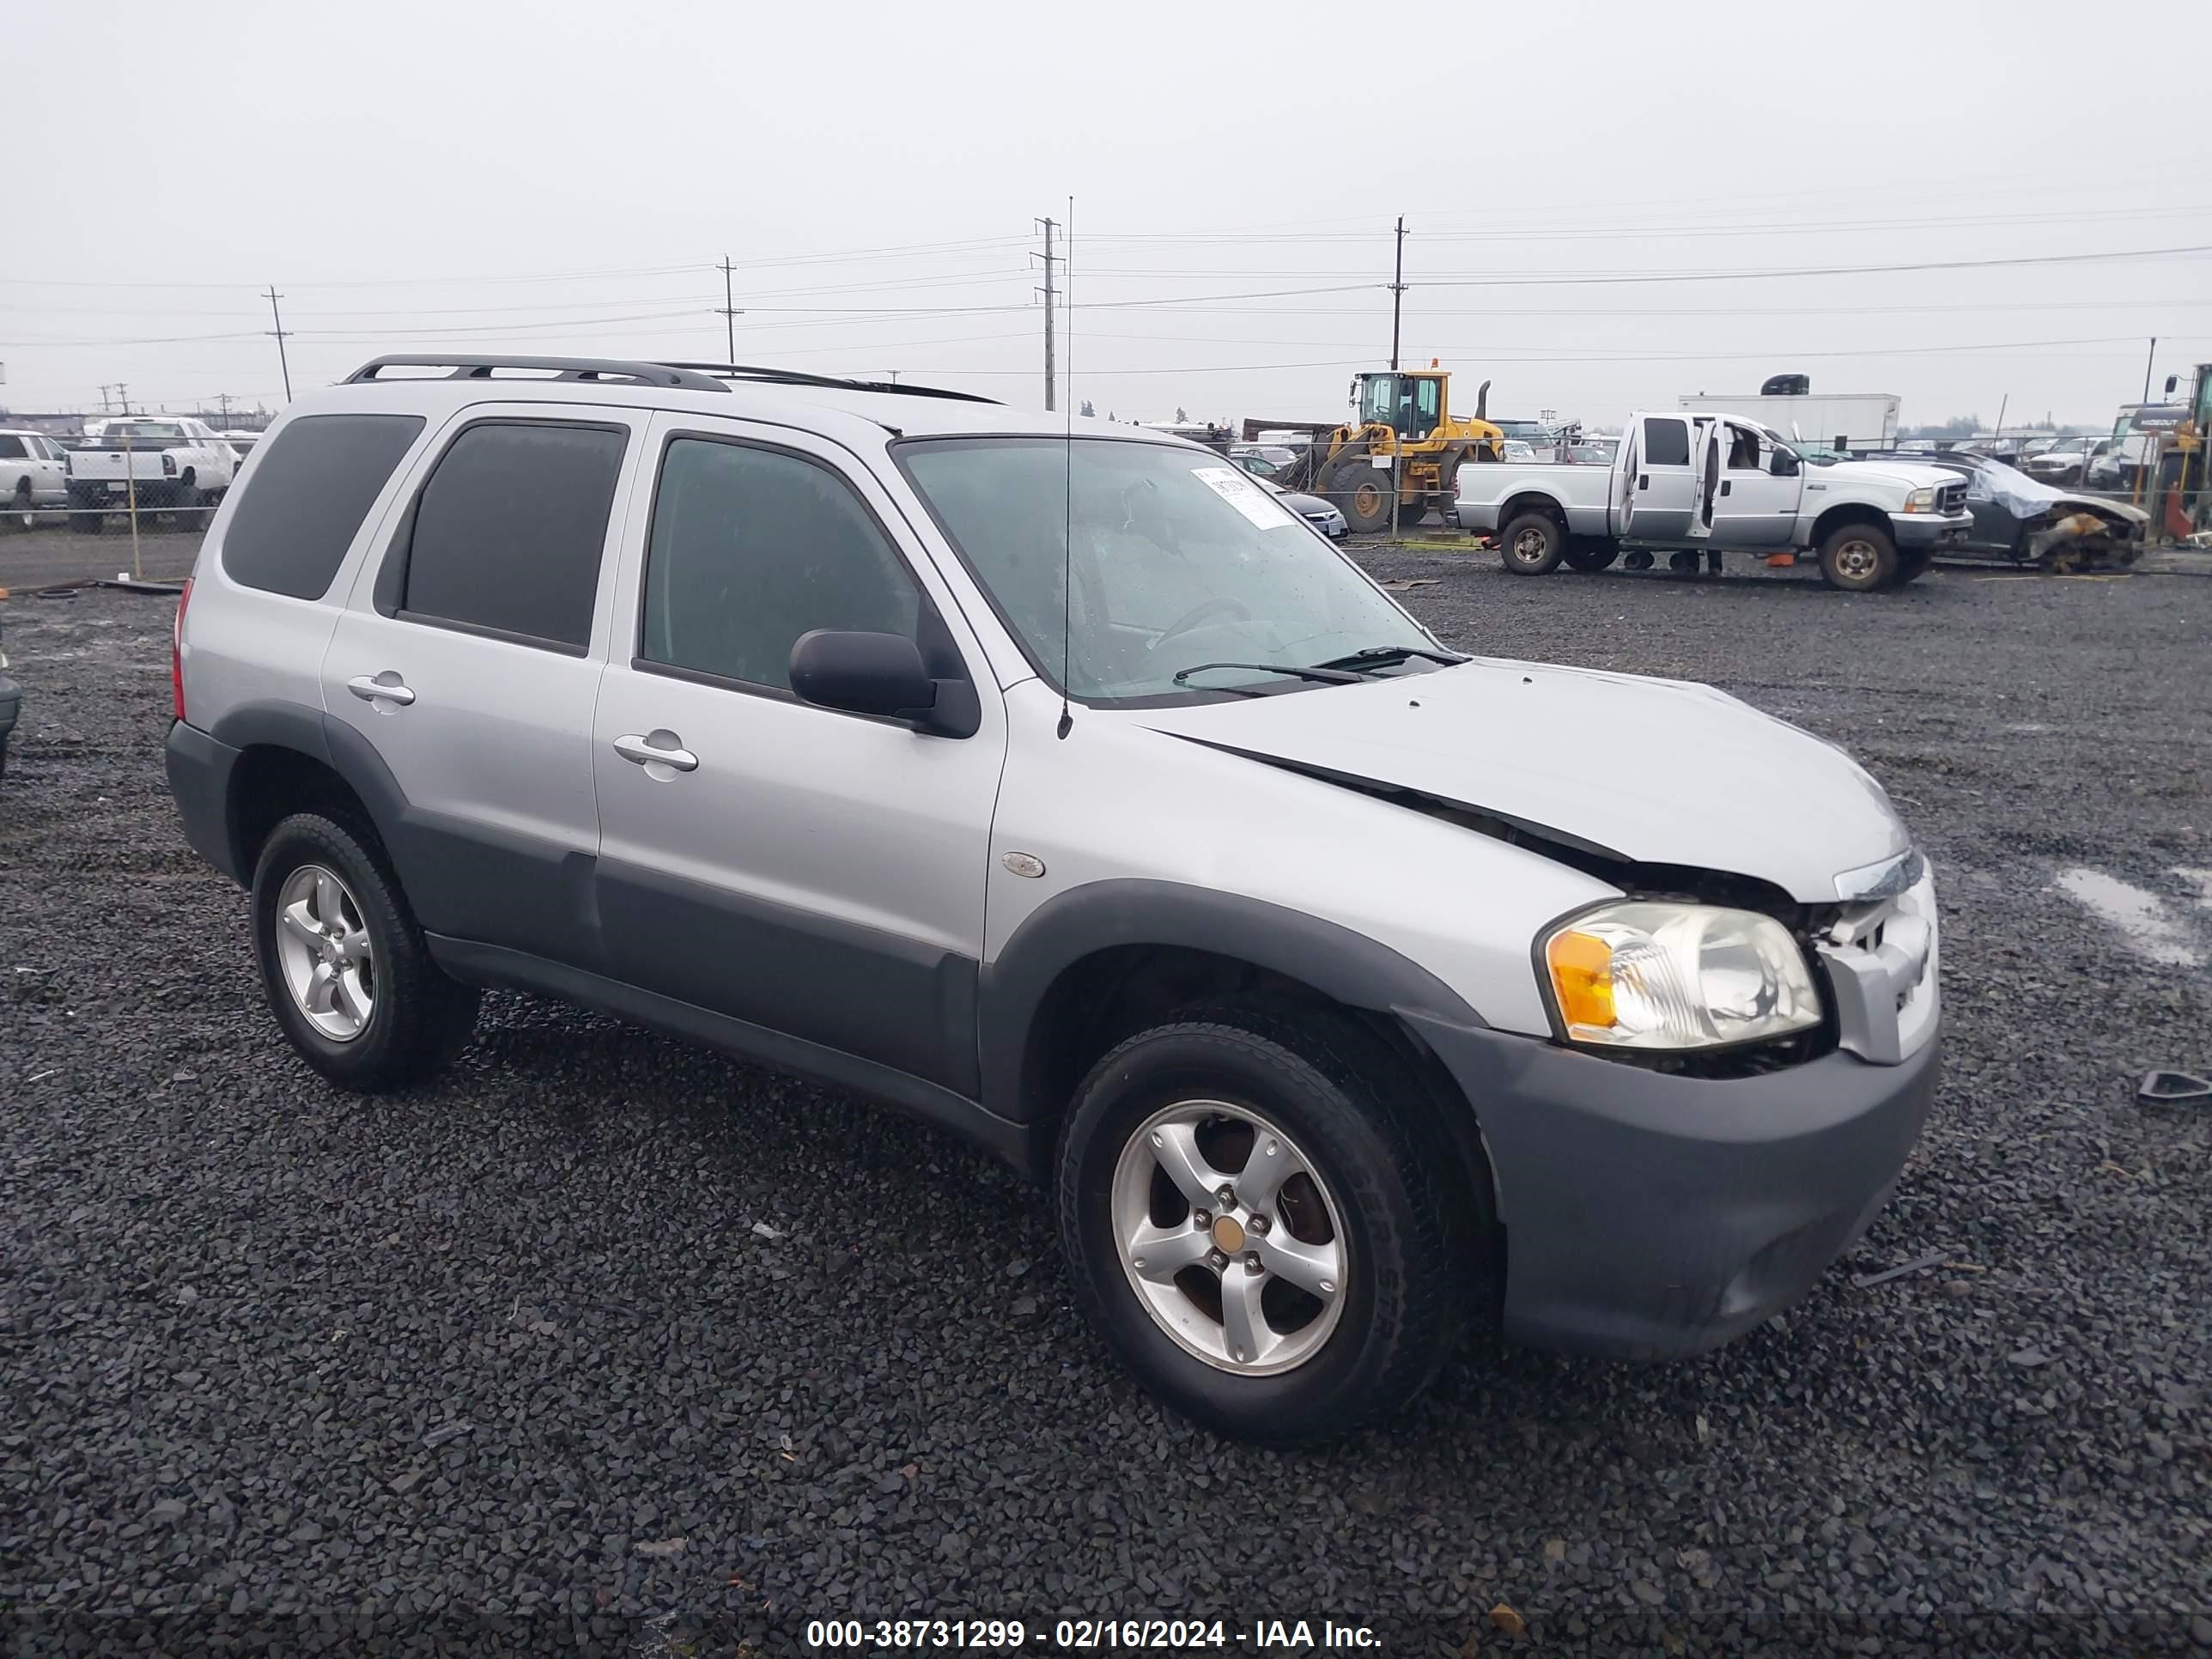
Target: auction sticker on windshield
(1246, 497)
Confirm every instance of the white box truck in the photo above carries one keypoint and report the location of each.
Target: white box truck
(1838, 421)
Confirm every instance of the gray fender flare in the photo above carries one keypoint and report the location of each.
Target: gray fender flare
(1345, 966)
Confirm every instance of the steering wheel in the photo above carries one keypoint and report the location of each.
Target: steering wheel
(1198, 613)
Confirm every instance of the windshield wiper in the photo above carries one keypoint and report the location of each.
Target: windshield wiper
(1323, 672)
(1384, 656)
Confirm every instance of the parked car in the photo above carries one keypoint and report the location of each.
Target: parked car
(32, 475)
(11, 706)
(1591, 451)
(2062, 463)
(1262, 460)
(1516, 449)
(1324, 515)
(240, 443)
(1698, 485)
(1067, 795)
(2022, 521)
(167, 466)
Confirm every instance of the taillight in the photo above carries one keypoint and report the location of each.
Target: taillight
(177, 649)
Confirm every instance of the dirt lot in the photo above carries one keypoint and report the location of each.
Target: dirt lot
(48, 553)
(609, 1345)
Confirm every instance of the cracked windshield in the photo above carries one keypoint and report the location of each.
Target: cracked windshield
(1181, 574)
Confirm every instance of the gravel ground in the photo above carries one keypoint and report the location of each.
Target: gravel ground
(608, 1344)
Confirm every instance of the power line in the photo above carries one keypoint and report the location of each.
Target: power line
(1565, 278)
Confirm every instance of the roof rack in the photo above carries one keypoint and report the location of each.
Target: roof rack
(588, 370)
(834, 382)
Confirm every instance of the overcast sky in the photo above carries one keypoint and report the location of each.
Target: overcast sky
(563, 177)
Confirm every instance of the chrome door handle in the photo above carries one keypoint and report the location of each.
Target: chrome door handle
(640, 749)
(369, 688)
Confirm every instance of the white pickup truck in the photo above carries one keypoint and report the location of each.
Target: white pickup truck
(172, 465)
(32, 474)
(1694, 485)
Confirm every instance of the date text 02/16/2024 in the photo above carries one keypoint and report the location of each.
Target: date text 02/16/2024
(1084, 1634)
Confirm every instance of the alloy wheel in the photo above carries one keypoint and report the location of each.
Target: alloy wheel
(323, 948)
(1229, 1236)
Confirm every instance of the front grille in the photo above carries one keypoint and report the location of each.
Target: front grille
(1951, 497)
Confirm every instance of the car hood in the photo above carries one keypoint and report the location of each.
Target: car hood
(1647, 770)
(1304, 505)
(1902, 475)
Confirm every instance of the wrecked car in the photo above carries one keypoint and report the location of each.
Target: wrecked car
(1071, 793)
(2024, 521)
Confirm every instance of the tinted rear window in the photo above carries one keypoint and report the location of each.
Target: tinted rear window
(1666, 443)
(315, 482)
(509, 529)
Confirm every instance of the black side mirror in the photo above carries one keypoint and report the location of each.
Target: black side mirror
(880, 674)
(1785, 464)
(2171, 381)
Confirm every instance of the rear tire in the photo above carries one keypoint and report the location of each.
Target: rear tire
(1591, 556)
(20, 513)
(1393, 1224)
(1533, 544)
(416, 1017)
(1858, 558)
(84, 514)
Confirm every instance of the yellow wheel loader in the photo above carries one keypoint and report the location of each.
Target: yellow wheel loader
(1402, 428)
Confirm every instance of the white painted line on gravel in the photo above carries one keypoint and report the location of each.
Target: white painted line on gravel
(2140, 918)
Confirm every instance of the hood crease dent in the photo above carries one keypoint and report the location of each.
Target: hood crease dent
(1613, 774)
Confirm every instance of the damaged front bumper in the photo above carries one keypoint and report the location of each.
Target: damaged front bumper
(1930, 530)
(1648, 1214)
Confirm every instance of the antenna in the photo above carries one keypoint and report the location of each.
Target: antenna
(1068, 484)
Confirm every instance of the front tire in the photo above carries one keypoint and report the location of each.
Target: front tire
(1858, 558)
(1362, 494)
(1361, 1244)
(343, 962)
(1533, 544)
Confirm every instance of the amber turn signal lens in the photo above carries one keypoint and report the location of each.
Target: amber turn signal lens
(1582, 978)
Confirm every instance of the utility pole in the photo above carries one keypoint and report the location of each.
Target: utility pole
(222, 403)
(1051, 370)
(2148, 362)
(730, 314)
(1397, 293)
(281, 362)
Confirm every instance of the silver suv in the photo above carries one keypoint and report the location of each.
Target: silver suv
(1057, 784)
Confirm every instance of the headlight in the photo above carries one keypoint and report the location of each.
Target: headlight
(1921, 500)
(1642, 975)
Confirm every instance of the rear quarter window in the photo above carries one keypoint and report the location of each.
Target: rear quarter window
(317, 480)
